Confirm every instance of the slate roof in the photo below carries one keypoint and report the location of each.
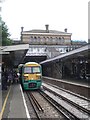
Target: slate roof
(44, 31)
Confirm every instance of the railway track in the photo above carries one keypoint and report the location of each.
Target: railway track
(76, 105)
(36, 106)
(44, 108)
(75, 87)
(39, 101)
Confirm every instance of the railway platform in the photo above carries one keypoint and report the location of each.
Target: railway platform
(13, 103)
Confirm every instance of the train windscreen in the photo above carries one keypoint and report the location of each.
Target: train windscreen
(31, 70)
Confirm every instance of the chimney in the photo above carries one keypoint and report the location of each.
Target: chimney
(47, 28)
(21, 34)
(65, 30)
(22, 29)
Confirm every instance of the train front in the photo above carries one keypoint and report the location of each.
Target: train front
(32, 77)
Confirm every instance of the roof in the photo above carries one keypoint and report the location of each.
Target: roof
(15, 53)
(3, 53)
(14, 47)
(32, 63)
(78, 50)
(39, 31)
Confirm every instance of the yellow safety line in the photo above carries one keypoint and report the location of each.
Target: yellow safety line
(4, 105)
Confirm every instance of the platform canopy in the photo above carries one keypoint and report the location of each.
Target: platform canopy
(13, 55)
(83, 51)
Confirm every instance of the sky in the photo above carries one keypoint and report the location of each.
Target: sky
(35, 14)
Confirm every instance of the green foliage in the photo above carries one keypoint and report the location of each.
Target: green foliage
(4, 34)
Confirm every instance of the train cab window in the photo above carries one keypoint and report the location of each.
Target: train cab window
(27, 70)
(31, 70)
(36, 69)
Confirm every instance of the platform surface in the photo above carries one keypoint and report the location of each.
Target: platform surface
(14, 103)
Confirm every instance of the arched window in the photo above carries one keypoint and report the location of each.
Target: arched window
(31, 39)
(35, 37)
(59, 38)
(47, 39)
(38, 39)
(63, 38)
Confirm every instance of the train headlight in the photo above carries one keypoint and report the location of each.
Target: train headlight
(25, 77)
(38, 76)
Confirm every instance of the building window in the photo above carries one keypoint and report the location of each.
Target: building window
(31, 39)
(38, 38)
(35, 37)
(44, 40)
(63, 38)
(47, 39)
(59, 38)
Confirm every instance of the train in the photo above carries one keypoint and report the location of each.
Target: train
(30, 75)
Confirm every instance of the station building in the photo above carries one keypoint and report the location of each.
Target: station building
(48, 37)
(49, 43)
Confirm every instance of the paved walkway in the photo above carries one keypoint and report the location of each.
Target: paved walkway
(15, 106)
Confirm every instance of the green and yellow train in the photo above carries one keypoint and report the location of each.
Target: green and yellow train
(30, 75)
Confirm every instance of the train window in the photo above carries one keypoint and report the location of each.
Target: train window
(36, 69)
(32, 70)
(27, 70)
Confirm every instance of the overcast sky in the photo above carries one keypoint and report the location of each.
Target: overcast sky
(59, 14)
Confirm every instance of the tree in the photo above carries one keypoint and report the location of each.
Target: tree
(5, 35)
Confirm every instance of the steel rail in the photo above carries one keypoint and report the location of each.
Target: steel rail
(32, 103)
(67, 114)
(77, 95)
(64, 98)
(36, 103)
